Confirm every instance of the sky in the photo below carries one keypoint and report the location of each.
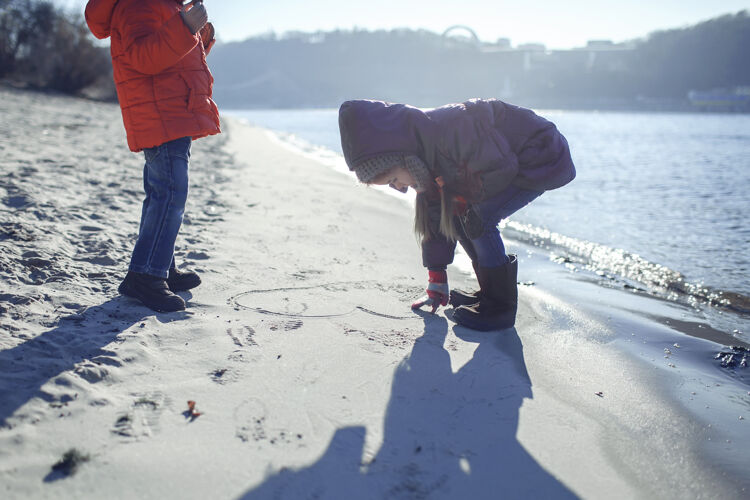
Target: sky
(558, 24)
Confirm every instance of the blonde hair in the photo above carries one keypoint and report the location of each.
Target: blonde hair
(423, 226)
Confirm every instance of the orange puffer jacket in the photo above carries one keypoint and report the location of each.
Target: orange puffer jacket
(163, 83)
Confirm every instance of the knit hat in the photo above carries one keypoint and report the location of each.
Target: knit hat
(419, 171)
(372, 168)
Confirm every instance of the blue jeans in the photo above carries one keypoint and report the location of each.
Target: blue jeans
(165, 180)
(488, 249)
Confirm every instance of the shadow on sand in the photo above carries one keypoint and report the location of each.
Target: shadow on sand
(446, 435)
(26, 368)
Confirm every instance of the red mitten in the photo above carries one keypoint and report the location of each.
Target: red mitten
(438, 292)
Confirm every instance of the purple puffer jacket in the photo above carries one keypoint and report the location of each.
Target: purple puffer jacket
(479, 148)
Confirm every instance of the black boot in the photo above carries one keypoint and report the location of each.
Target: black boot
(179, 281)
(498, 302)
(461, 298)
(152, 291)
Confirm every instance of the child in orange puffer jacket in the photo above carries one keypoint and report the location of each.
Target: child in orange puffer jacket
(164, 87)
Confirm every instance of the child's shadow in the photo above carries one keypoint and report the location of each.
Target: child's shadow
(446, 435)
(25, 368)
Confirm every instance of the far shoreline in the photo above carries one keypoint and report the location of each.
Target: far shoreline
(675, 109)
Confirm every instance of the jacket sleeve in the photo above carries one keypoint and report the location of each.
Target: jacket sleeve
(150, 46)
(98, 16)
(437, 251)
(486, 163)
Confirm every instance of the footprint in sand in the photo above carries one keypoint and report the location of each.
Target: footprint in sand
(307, 274)
(224, 376)
(287, 326)
(251, 426)
(15, 231)
(242, 336)
(17, 201)
(141, 419)
(91, 372)
(101, 259)
(266, 327)
(250, 421)
(244, 339)
(197, 255)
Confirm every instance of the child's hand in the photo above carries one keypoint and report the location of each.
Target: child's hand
(208, 36)
(438, 292)
(194, 15)
(208, 33)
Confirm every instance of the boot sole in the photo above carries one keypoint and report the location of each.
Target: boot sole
(481, 326)
(184, 288)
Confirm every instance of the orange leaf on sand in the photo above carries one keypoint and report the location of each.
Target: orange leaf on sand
(191, 409)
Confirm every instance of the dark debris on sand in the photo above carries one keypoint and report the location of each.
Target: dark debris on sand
(67, 465)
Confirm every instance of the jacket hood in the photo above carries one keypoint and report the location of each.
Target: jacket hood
(99, 17)
(373, 128)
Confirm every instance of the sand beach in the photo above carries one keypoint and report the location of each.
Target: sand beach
(310, 376)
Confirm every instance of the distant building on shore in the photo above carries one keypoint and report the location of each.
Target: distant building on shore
(735, 99)
(600, 44)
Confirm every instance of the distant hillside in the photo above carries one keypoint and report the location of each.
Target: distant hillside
(424, 68)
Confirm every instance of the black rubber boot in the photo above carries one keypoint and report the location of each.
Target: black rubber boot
(498, 302)
(152, 291)
(460, 298)
(180, 281)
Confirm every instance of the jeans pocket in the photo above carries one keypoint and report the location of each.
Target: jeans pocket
(152, 154)
(180, 148)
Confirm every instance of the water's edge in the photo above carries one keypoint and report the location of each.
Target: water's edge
(725, 311)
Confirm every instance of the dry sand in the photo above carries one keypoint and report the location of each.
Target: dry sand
(312, 377)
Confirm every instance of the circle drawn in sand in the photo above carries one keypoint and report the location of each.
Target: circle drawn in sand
(322, 301)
